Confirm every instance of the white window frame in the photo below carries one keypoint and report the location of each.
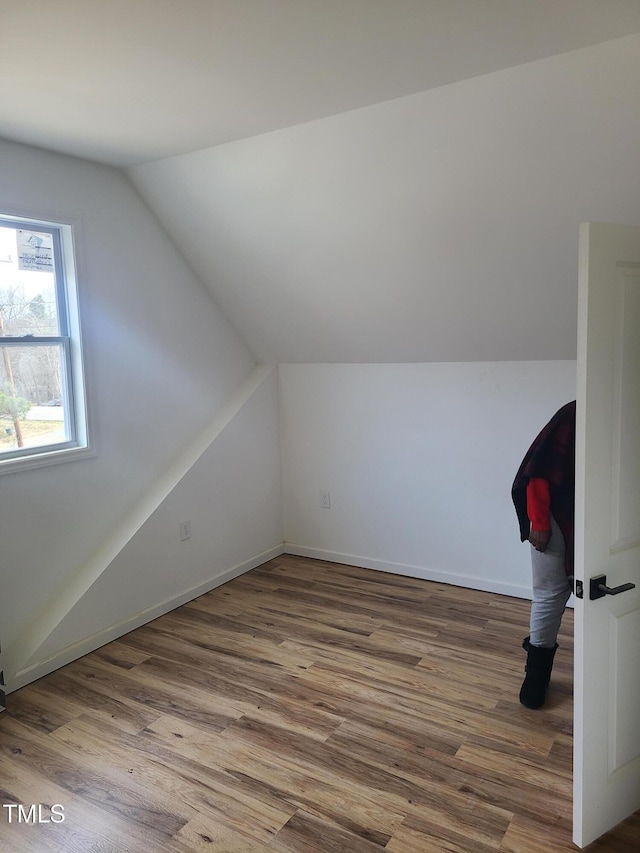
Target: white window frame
(69, 339)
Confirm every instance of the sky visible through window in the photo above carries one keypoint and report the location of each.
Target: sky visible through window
(21, 286)
(31, 395)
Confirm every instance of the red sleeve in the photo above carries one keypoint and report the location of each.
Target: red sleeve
(538, 501)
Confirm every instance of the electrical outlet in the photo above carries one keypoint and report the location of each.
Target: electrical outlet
(325, 500)
(185, 530)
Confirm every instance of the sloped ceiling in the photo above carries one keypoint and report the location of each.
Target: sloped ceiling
(354, 180)
(128, 81)
(441, 226)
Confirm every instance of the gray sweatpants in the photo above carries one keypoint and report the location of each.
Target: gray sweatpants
(551, 590)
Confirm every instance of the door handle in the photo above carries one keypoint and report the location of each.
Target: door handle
(598, 587)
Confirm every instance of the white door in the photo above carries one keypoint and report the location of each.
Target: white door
(607, 630)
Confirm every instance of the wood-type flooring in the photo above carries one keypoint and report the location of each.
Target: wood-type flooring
(304, 707)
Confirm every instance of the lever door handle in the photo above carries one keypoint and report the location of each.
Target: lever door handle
(598, 587)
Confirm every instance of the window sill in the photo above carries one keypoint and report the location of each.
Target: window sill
(40, 460)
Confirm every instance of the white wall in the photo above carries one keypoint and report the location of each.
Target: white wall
(161, 361)
(232, 496)
(352, 239)
(419, 460)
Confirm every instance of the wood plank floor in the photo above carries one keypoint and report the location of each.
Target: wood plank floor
(305, 706)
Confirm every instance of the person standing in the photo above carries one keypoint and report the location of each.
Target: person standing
(543, 494)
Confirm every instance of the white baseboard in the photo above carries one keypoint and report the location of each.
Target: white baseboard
(95, 641)
(83, 647)
(482, 584)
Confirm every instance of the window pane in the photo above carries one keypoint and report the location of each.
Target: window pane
(27, 283)
(32, 411)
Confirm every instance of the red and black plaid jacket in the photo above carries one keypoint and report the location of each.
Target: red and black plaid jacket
(552, 458)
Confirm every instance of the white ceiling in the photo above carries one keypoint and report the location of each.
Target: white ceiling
(130, 81)
(441, 226)
(354, 180)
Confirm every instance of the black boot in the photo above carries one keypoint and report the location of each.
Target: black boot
(538, 668)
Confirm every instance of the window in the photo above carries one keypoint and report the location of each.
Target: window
(42, 406)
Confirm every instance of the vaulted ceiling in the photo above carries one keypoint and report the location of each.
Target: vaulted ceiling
(128, 81)
(354, 180)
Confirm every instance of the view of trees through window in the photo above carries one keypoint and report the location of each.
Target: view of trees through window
(32, 363)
